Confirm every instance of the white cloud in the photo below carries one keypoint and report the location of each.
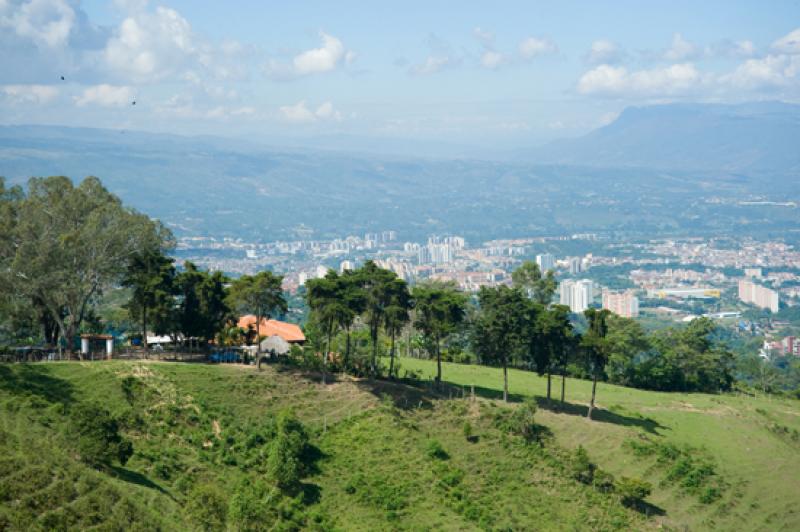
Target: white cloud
(48, 23)
(769, 71)
(323, 59)
(326, 58)
(532, 47)
(29, 94)
(433, 64)
(492, 59)
(105, 95)
(681, 49)
(604, 52)
(299, 113)
(788, 44)
(151, 46)
(618, 81)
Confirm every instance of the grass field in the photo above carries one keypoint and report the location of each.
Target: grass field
(374, 467)
(750, 438)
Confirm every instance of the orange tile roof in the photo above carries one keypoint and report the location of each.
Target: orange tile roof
(288, 331)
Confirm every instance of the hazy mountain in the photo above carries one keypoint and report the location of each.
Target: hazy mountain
(227, 187)
(755, 137)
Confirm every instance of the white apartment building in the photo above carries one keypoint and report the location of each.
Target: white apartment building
(577, 295)
(546, 262)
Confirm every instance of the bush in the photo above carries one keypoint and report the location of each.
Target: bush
(96, 436)
(467, 429)
(603, 481)
(582, 468)
(632, 491)
(207, 508)
(520, 421)
(285, 462)
(434, 449)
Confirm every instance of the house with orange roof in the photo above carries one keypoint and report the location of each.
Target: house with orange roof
(288, 332)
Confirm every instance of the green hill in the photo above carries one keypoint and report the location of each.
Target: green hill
(386, 456)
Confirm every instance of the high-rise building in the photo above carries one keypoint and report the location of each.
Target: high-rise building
(760, 296)
(624, 304)
(546, 262)
(346, 265)
(755, 273)
(577, 295)
(575, 265)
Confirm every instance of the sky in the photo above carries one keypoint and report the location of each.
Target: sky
(479, 74)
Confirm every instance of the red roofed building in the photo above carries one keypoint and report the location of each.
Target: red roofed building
(289, 332)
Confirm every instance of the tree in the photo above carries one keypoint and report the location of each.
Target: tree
(328, 309)
(529, 278)
(440, 308)
(499, 327)
(627, 341)
(554, 335)
(63, 245)
(260, 294)
(151, 276)
(352, 296)
(202, 309)
(378, 286)
(396, 315)
(596, 346)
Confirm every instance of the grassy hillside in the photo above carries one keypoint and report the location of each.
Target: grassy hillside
(753, 442)
(386, 456)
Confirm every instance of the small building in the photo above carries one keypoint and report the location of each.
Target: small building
(289, 332)
(275, 345)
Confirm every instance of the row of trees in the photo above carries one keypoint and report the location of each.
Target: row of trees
(514, 327)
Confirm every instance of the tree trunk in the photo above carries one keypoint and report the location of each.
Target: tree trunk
(374, 365)
(563, 385)
(548, 386)
(144, 327)
(594, 390)
(325, 354)
(438, 363)
(391, 357)
(505, 382)
(347, 350)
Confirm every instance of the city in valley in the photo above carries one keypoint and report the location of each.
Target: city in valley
(660, 281)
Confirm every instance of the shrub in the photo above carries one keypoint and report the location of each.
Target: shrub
(434, 449)
(603, 481)
(96, 436)
(520, 421)
(583, 469)
(285, 462)
(632, 491)
(207, 508)
(467, 429)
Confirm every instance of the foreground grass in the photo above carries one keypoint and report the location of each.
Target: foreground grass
(202, 425)
(753, 442)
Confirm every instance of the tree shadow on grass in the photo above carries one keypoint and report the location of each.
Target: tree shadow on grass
(134, 477)
(36, 380)
(602, 415)
(648, 509)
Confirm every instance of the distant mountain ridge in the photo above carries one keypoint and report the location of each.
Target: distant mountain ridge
(753, 137)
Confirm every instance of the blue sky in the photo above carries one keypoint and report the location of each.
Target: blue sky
(499, 74)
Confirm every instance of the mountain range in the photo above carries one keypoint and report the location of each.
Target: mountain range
(655, 170)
